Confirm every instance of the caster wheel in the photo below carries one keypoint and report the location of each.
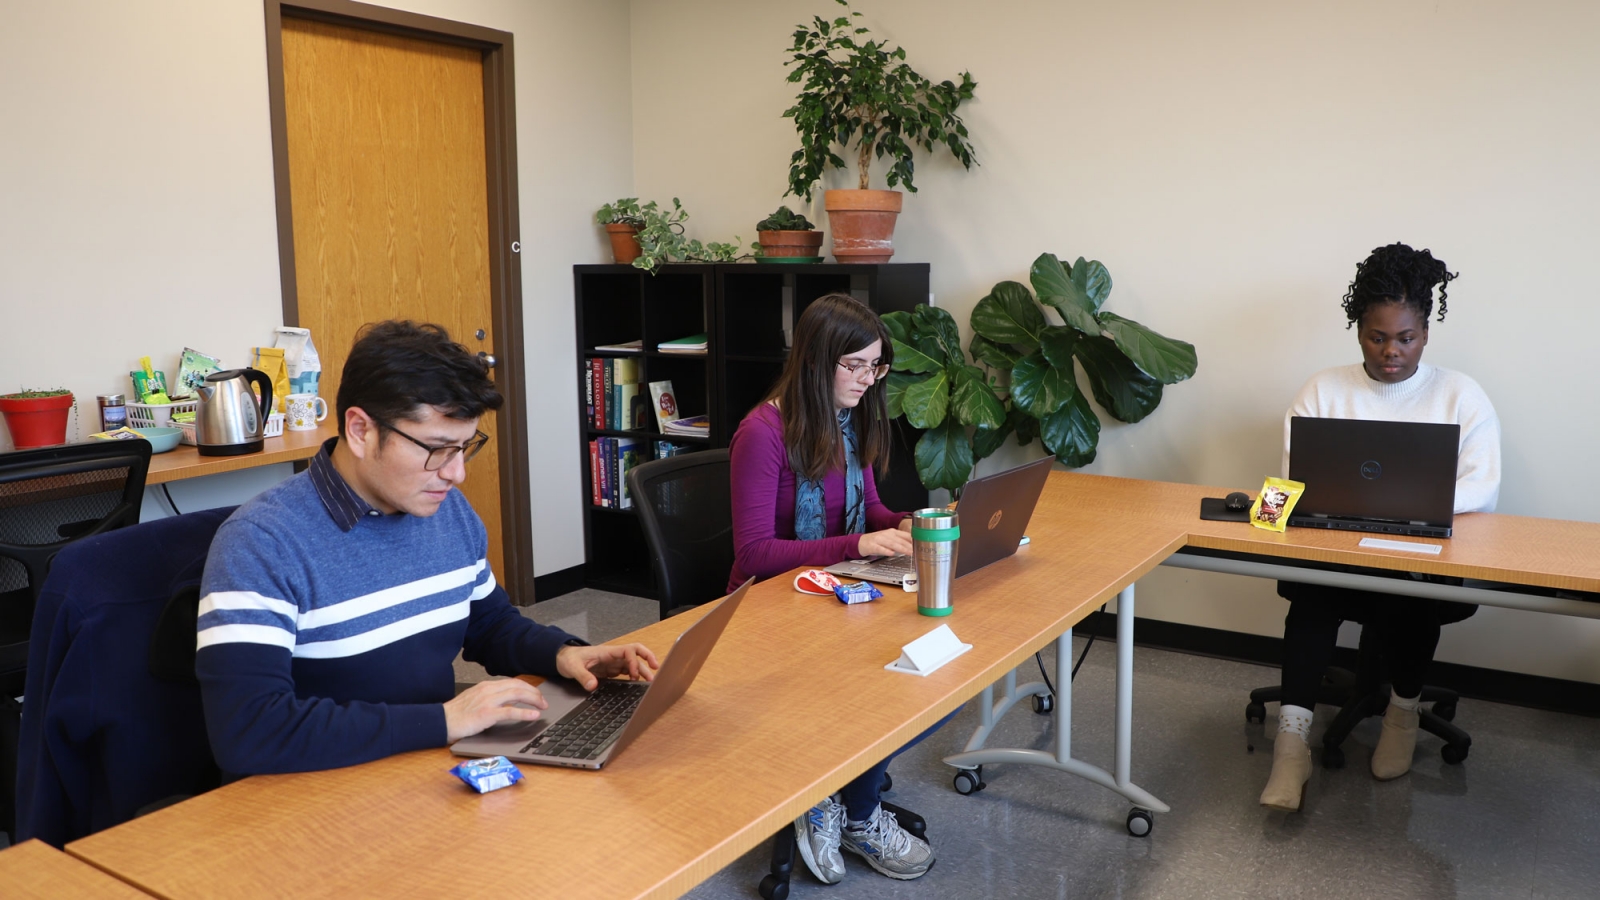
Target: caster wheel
(1043, 704)
(1332, 758)
(970, 781)
(1455, 754)
(773, 889)
(1255, 713)
(888, 783)
(1140, 822)
(1445, 711)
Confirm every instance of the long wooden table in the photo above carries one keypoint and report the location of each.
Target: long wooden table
(186, 462)
(794, 703)
(34, 869)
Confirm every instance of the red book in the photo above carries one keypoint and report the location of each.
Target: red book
(599, 367)
(594, 473)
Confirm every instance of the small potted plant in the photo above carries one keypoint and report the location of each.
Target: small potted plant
(856, 88)
(37, 418)
(788, 236)
(622, 221)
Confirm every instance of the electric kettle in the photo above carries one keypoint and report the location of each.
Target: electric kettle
(229, 421)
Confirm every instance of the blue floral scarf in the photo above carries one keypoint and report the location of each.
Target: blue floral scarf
(810, 510)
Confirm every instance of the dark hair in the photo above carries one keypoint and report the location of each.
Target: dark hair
(1397, 274)
(396, 366)
(832, 327)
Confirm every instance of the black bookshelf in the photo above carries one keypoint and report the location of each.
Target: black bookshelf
(747, 312)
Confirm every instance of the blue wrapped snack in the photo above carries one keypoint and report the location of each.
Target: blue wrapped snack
(859, 592)
(491, 774)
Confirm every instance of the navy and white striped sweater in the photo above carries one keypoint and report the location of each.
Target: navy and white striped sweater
(323, 646)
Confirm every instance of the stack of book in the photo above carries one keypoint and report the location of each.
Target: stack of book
(694, 343)
(696, 426)
(609, 461)
(615, 395)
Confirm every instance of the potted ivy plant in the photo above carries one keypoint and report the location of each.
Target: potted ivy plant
(622, 221)
(789, 236)
(1028, 381)
(37, 418)
(856, 88)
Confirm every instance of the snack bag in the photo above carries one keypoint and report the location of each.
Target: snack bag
(491, 774)
(1272, 506)
(270, 361)
(193, 367)
(149, 385)
(300, 355)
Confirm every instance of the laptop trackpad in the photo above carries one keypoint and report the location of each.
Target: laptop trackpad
(562, 694)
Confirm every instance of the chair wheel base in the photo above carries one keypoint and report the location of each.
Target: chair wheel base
(1455, 754)
(1255, 713)
(970, 781)
(773, 888)
(1141, 822)
(1043, 704)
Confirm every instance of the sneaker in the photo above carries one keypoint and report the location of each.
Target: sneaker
(817, 834)
(889, 848)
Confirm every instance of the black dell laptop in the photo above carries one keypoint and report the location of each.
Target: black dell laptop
(1382, 477)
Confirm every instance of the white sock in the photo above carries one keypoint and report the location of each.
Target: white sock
(1409, 705)
(1295, 720)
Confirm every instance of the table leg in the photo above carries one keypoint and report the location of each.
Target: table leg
(1121, 783)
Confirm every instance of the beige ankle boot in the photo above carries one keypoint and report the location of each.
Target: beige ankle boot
(1396, 744)
(1291, 769)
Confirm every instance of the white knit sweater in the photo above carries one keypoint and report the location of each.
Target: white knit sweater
(1431, 395)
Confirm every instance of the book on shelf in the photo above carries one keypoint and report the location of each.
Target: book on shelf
(597, 384)
(699, 426)
(694, 343)
(625, 347)
(629, 453)
(594, 472)
(610, 459)
(625, 384)
(610, 386)
(665, 449)
(664, 402)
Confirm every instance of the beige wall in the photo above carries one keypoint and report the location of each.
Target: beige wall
(136, 205)
(1230, 162)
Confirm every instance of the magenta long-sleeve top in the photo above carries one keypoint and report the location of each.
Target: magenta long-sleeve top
(763, 488)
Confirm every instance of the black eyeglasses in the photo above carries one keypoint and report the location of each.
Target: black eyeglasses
(439, 457)
(878, 369)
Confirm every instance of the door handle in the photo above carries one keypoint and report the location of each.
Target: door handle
(488, 359)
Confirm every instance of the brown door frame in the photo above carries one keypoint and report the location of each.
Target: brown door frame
(505, 275)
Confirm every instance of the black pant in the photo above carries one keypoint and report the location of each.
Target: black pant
(1409, 632)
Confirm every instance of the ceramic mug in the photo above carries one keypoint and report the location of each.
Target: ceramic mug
(304, 411)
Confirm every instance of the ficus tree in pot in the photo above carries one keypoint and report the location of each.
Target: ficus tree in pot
(854, 88)
(1030, 370)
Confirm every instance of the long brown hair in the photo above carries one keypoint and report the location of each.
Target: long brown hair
(832, 327)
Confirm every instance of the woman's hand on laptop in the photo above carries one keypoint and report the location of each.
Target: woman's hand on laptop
(587, 665)
(888, 542)
(489, 703)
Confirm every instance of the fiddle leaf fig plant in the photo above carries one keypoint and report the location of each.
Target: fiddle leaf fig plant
(856, 88)
(937, 390)
(1125, 363)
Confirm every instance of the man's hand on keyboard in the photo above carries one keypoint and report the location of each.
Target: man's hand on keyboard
(587, 665)
(489, 703)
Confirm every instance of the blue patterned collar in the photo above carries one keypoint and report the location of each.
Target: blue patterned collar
(338, 497)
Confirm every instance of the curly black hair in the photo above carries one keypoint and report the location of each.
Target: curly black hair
(1397, 274)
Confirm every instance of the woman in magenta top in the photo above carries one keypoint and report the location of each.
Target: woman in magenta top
(803, 495)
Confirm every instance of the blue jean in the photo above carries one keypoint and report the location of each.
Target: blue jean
(861, 795)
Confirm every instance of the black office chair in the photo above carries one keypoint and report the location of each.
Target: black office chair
(1366, 691)
(686, 506)
(50, 497)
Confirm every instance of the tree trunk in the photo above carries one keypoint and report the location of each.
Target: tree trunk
(864, 162)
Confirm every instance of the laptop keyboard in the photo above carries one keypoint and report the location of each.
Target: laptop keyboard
(590, 728)
(894, 565)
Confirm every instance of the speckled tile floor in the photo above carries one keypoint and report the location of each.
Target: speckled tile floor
(1520, 818)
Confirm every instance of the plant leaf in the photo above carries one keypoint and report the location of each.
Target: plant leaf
(1166, 360)
(908, 358)
(939, 323)
(1040, 388)
(991, 354)
(944, 457)
(1008, 315)
(1072, 432)
(1057, 288)
(1117, 383)
(899, 325)
(972, 401)
(925, 402)
(1093, 280)
(985, 441)
(1057, 344)
(894, 392)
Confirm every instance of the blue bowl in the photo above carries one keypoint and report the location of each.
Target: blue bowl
(161, 439)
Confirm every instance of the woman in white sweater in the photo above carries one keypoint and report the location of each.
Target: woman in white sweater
(1389, 304)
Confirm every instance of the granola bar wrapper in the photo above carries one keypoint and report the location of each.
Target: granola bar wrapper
(1272, 506)
(491, 774)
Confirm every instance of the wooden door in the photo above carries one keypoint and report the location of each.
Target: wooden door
(389, 200)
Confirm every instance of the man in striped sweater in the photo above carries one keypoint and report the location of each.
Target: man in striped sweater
(334, 603)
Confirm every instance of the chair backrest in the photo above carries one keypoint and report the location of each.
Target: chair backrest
(50, 497)
(686, 507)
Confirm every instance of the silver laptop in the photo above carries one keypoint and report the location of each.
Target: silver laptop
(994, 512)
(582, 730)
(1374, 476)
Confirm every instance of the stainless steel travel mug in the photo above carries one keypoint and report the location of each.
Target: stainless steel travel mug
(935, 540)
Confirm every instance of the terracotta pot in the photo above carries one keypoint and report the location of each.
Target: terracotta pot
(624, 242)
(790, 243)
(37, 421)
(862, 223)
